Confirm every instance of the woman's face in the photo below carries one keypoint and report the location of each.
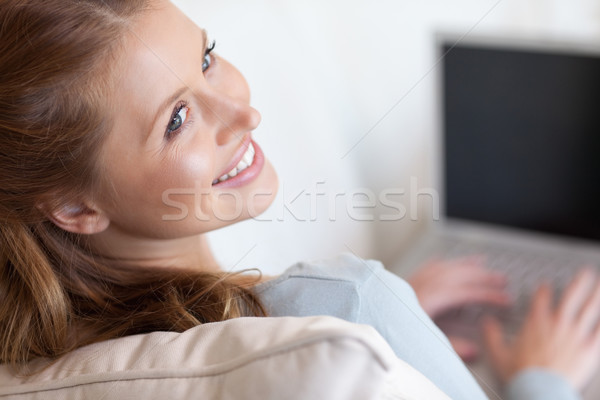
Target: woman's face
(179, 160)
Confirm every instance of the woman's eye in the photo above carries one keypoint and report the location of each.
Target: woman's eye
(207, 57)
(178, 120)
(207, 62)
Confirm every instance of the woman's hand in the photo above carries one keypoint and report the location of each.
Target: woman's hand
(444, 285)
(565, 340)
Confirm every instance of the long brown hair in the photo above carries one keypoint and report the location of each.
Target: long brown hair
(55, 293)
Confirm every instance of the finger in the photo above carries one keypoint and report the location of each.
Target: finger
(465, 348)
(495, 280)
(478, 275)
(596, 338)
(484, 295)
(461, 296)
(495, 345)
(466, 270)
(591, 311)
(541, 304)
(576, 294)
(430, 268)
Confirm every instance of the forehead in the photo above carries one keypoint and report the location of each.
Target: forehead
(158, 56)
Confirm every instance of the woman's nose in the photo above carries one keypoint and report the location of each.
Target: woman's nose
(231, 117)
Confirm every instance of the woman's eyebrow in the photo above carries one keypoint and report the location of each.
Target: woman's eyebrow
(171, 99)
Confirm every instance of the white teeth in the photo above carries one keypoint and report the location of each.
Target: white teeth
(249, 155)
(244, 163)
(242, 166)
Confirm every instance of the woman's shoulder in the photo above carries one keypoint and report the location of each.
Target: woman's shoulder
(344, 268)
(333, 286)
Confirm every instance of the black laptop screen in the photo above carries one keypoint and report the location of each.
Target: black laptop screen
(522, 138)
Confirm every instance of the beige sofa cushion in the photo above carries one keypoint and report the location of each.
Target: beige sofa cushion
(244, 358)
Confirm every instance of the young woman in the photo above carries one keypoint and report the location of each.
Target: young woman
(113, 113)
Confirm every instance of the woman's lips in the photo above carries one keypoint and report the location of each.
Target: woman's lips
(239, 154)
(248, 174)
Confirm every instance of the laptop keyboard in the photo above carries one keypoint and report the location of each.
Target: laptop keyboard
(524, 269)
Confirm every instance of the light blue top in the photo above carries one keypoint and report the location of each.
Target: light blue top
(363, 291)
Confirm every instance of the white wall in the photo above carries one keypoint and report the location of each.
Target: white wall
(326, 73)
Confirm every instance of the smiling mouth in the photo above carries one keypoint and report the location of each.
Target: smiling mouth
(245, 162)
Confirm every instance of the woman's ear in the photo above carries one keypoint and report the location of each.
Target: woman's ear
(79, 218)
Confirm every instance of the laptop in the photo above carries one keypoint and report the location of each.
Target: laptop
(518, 168)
